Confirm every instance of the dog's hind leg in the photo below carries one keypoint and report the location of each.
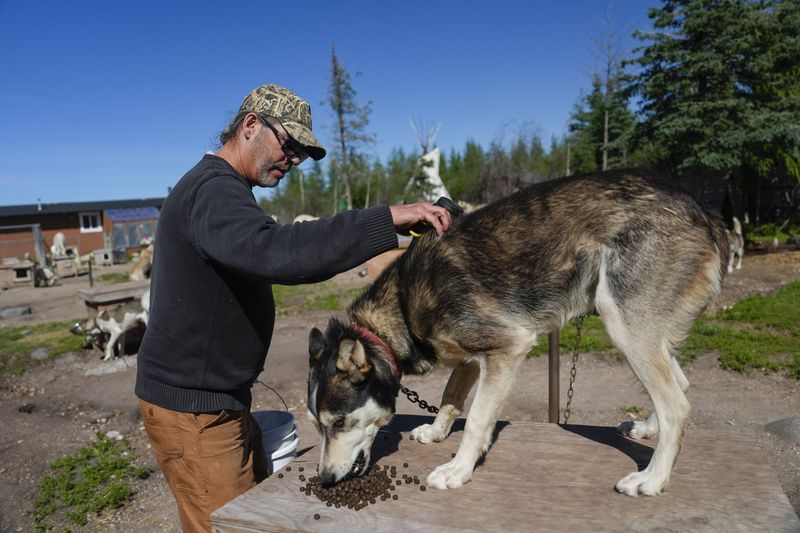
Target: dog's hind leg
(455, 394)
(647, 429)
(498, 371)
(643, 339)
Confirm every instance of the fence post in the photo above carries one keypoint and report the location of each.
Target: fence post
(554, 404)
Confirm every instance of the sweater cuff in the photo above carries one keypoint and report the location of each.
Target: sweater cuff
(381, 233)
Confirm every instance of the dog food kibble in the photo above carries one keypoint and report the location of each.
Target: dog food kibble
(453, 454)
(422, 488)
(300, 469)
(288, 468)
(356, 493)
(405, 465)
(316, 516)
(280, 476)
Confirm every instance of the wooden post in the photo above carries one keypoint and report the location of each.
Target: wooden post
(554, 406)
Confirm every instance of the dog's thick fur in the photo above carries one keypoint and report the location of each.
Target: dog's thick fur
(109, 327)
(736, 239)
(641, 254)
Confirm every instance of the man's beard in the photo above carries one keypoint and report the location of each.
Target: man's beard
(264, 179)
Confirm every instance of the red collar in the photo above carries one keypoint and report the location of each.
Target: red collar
(374, 339)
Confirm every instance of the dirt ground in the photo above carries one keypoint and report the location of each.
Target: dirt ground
(76, 395)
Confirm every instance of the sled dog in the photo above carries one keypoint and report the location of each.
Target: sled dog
(736, 239)
(108, 328)
(638, 252)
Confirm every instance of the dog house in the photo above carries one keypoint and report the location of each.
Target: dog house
(15, 273)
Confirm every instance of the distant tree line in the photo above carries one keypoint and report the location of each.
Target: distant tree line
(714, 88)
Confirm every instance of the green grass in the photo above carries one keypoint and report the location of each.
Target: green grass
(765, 233)
(16, 342)
(761, 333)
(593, 339)
(324, 296)
(114, 277)
(90, 481)
(635, 409)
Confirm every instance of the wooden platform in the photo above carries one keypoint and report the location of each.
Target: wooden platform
(537, 477)
(99, 298)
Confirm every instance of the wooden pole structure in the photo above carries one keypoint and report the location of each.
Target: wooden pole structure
(554, 406)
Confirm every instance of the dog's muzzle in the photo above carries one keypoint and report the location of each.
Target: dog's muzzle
(359, 468)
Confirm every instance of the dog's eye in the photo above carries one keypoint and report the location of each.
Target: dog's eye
(339, 423)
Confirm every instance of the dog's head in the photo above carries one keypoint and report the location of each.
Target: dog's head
(84, 327)
(351, 395)
(88, 327)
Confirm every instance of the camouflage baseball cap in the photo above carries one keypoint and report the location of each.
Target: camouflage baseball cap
(293, 112)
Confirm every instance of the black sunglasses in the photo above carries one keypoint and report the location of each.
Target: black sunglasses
(290, 147)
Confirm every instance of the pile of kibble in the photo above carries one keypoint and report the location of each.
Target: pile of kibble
(356, 493)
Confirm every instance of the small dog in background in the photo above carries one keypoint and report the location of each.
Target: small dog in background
(736, 239)
(141, 269)
(108, 329)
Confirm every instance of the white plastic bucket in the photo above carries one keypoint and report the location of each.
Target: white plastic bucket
(279, 436)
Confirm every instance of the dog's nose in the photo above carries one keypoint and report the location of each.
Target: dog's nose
(327, 478)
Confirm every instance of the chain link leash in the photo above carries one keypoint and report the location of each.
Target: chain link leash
(574, 370)
(413, 397)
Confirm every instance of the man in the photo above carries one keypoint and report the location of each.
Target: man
(212, 312)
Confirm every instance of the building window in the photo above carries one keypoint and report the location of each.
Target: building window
(130, 226)
(91, 222)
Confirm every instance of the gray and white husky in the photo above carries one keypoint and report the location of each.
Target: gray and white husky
(638, 252)
(736, 240)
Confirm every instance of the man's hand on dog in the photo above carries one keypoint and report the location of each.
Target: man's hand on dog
(406, 215)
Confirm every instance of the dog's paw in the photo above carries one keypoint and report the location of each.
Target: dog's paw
(642, 483)
(638, 429)
(449, 476)
(427, 433)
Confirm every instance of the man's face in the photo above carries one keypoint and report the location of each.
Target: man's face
(269, 160)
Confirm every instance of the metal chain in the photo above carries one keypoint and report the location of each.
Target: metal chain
(413, 397)
(574, 370)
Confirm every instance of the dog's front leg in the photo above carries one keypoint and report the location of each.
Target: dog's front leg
(455, 394)
(496, 378)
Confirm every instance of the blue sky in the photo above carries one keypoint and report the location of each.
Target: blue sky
(110, 100)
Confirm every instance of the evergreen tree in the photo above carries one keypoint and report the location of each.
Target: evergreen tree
(600, 128)
(349, 131)
(718, 85)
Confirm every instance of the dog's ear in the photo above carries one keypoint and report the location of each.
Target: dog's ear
(104, 315)
(316, 345)
(353, 360)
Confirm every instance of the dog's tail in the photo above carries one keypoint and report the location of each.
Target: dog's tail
(737, 226)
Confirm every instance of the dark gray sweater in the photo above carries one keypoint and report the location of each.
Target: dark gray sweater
(216, 256)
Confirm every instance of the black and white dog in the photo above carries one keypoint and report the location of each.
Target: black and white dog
(107, 330)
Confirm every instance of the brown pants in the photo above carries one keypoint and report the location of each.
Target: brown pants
(207, 458)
